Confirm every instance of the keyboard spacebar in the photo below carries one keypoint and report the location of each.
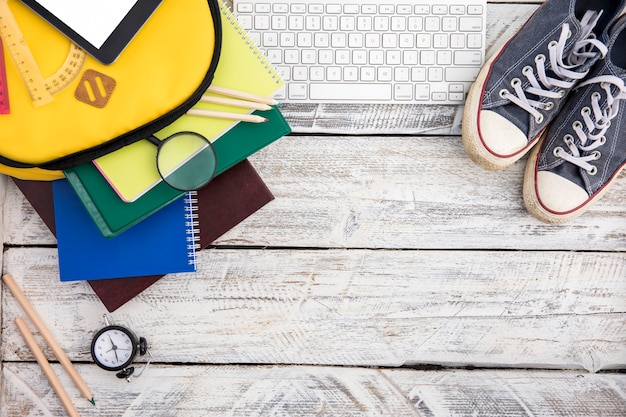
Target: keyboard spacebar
(357, 92)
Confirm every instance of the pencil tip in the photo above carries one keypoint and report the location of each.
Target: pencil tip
(92, 401)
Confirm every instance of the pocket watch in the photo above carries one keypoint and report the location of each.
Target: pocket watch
(114, 348)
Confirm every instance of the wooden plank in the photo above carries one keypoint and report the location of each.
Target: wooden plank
(320, 391)
(353, 307)
(389, 192)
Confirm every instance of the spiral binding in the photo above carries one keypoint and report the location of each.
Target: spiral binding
(230, 17)
(192, 225)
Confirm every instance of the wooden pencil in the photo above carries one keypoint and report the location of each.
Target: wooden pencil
(46, 368)
(245, 104)
(242, 95)
(250, 118)
(50, 340)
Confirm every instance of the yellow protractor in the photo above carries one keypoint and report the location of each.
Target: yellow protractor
(40, 89)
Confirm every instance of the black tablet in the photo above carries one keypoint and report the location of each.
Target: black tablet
(102, 28)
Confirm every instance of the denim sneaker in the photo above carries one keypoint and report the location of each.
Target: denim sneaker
(522, 87)
(585, 148)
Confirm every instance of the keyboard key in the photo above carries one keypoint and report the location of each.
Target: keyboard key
(468, 58)
(457, 74)
(467, 24)
(244, 8)
(356, 92)
(298, 8)
(422, 92)
(317, 74)
(474, 9)
(326, 56)
(404, 9)
(297, 91)
(403, 92)
(369, 9)
(281, 8)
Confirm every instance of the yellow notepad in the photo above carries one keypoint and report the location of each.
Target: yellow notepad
(132, 170)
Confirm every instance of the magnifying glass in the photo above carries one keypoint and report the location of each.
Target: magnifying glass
(185, 160)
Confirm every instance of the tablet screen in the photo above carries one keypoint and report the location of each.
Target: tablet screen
(94, 20)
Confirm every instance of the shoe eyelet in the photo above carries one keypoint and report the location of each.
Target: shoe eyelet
(605, 124)
(527, 69)
(540, 59)
(561, 93)
(602, 140)
(549, 105)
(516, 82)
(596, 95)
(557, 151)
(596, 155)
(585, 111)
(568, 139)
(552, 44)
(504, 93)
(569, 34)
(577, 125)
(592, 171)
(539, 119)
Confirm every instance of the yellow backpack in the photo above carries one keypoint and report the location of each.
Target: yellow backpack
(69, 108)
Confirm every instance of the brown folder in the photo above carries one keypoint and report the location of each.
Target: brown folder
(225, 202)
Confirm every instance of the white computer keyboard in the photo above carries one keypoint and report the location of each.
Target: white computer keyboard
(401, 51)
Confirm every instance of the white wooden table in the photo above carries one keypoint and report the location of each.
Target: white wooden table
(390, 276)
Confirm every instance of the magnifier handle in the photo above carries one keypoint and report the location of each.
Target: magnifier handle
(154, 140)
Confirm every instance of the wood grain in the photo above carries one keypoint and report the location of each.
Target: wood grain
(388, 192)
(354, 307)
(236, 391)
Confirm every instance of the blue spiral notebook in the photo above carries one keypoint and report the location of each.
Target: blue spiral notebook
(163, 243)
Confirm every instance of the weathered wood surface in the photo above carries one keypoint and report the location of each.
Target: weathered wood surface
(353, 307)
(392, 193)
(249, 391)
(385, 247)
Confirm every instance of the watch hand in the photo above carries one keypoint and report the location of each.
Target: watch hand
(112, 343)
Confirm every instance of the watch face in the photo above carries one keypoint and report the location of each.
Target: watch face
(114, 348)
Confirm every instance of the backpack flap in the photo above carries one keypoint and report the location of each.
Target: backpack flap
(86, 109)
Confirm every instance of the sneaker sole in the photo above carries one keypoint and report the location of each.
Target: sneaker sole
(533, 203)
(472, 141)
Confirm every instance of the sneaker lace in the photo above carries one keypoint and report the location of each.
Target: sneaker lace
(542, 85)
(596, 120)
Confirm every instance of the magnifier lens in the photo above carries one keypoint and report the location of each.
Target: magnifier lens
(186, 161)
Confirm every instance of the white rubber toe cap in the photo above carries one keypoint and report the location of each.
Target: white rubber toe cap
(558, 194)
(499, 135)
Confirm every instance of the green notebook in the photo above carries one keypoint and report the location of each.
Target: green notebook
(113, 216)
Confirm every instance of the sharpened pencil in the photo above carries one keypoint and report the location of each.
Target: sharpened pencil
(241, 95)
(46, 368)
(250, 118)
(45, 333)
(245, 104)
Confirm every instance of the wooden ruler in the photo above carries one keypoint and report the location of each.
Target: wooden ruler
(40, 89)
(4, 86)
